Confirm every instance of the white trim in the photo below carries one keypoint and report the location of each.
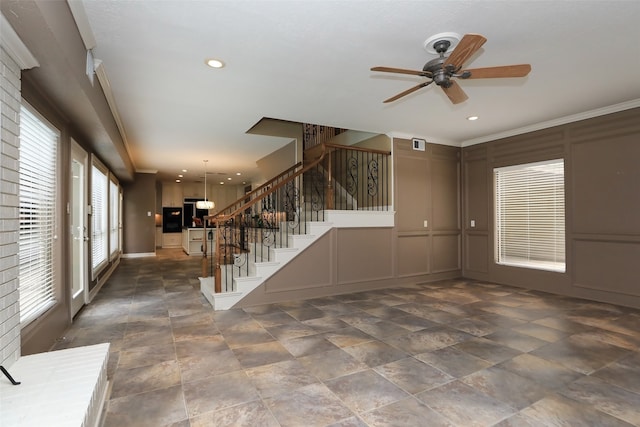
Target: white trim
(15, 47)
(138, 255)
(82, 22)
(555, 122)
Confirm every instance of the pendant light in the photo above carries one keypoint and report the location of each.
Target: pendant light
(204, 203)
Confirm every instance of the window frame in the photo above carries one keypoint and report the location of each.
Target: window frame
(50, 287)
(115, 220)
(540, 236)
(99, 211)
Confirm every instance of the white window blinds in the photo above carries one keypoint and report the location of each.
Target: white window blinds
(37, 215)
(530, 215)
(99, 216)
(114, 217)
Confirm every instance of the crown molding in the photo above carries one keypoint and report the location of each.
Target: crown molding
(555, 122)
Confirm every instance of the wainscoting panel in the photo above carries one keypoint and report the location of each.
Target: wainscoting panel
(413, 254)
(364, 254)
(446, 252)
(607, 266)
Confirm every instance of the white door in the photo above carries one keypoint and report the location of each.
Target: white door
(79, 232)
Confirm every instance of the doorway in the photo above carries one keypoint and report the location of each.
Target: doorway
(79, 238)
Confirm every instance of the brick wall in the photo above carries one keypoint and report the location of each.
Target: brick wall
(10, 123)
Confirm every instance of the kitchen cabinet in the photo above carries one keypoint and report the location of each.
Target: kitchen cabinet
(172, 195)
(171, 240)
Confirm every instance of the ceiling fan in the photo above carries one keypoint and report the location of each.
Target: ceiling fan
(444, 69)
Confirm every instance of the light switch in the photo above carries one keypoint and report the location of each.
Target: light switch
(426, 223)
(148, 213)
(473, 223)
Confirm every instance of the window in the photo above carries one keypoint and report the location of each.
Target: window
(530, 215)
(37, 246)
(99, 216)
(114, 217)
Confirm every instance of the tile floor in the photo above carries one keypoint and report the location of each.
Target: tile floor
(455, 353)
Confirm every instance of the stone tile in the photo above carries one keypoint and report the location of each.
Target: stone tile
(273, 319)
(242, 337)
(288, 331)
(487, 350)
(353, 421)
(624, 373)
(541, 332)
(252, 413)
(202, 346)
(197, 367)
(306, 313)
(311, 405)
(347, 337)
(218, 392)
(475, 327)
(556, 410)
(465, 406)
(144, 356)
(152, 409)
(325, 324)
(375, 353)
(145, 378)
(518, 392)
(413, 323)
(307, 345)
(546, 373)
(515, 340)
(382, 329)
(365, 390)
(407, 412)
(506, 346)
(261, 354)
(277, 378)
(183, 333)
(412, 375)
(428, 339)
(332, 364)
(606, 398)
(582, 355)
(453, 361)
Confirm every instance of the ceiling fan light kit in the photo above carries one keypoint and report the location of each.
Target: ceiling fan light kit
(444, 69)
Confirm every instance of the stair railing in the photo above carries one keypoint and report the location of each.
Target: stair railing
(332, 177)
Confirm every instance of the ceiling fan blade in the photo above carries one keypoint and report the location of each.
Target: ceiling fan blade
(469, 45)
(519, 70)
(455, 93)
(402, 71)
(407, 92)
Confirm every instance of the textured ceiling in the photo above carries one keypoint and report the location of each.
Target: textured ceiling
(309, 61)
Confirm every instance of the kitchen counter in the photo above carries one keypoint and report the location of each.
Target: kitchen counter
(192, 240)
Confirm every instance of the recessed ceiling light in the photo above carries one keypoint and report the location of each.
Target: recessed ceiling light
(177, 180)
(214, 63)
(184, 170)
(180, 176)
(221, 182)
(229, 179)
(238, 173)
(472, 118)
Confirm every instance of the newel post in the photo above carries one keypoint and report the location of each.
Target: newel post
(217, 273)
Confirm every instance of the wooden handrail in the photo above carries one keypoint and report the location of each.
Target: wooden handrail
(260, 193)
(257, 190)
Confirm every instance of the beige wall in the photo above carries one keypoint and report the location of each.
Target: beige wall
(426, 187)
(602, 176)
(139, 198)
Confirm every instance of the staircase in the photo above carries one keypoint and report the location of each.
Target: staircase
(261, 233)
